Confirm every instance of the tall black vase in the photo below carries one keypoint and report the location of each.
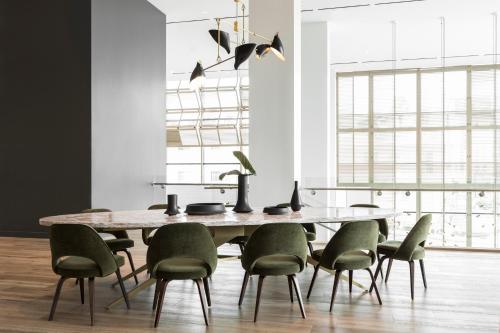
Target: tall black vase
(296, 203)
(242, 205)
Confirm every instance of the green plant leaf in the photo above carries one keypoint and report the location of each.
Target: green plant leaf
(232, 172)
(244, 161)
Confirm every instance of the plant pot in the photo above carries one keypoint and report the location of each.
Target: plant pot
(242, 205)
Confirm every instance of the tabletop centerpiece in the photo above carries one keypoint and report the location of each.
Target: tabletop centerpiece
(242, 205)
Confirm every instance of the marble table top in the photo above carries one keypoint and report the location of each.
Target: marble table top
(139, 219)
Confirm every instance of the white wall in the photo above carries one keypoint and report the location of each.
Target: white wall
(128, 115)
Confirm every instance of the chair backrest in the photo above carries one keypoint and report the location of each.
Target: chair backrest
(188, 240)
(82, 241)
(309, 227)
(116, 233)
(275, 238)
(158, 206)
(146, 232)
(353, 236)
(382, 223)
(417, 236)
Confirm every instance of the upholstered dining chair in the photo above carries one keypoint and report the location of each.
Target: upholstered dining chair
(410, 249)
(352, 247)
(309, 229)
(121, 242)
(79, 252)
(275, 249)
(382, 225)
(181, 251)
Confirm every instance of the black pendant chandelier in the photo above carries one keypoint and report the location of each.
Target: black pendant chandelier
(241, 53)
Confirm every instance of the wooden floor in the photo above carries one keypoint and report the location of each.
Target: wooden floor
(463, 296)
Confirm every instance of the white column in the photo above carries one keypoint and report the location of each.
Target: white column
(275, 94)
(317, 116)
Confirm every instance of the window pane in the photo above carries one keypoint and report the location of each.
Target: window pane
(184, 174)
(184, 155)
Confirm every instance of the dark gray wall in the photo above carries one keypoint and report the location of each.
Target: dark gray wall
(44, 112)
(128, 103)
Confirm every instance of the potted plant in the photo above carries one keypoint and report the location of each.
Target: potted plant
(242, 205)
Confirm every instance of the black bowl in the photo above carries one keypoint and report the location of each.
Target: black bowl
(209, 208)
(276, 210)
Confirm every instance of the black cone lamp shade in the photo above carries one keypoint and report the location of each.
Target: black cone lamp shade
(262, 50)
(277, 47)
(242, 53)
(224, 38)
(197, 77)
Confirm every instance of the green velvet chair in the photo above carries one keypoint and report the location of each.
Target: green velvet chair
(382, 225)
(275, 249)
(352, 247)
(121, 242)
(410, 249)
(310, 230)
(181, 251)
(79, 252)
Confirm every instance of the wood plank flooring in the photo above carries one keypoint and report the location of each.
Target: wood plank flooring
(463, 296)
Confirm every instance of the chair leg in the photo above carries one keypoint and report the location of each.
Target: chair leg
(243, 288)
(199, 283)
(310, 246)
(422, 269)
(207, 290)
(412, 277)
(56, 297)
(161, 296)
(350, 281)
(290, 288)
(257, 301)
(316, 269)
(132, 267)
(378, 270)
(157, 291)
(122, 287)
(91, 300)
(374, 286)
(242, 247)
(335, 285)
(82, 290)
(389, 266)
(381, 273)
(299, 295)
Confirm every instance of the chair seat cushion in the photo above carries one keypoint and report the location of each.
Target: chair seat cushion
(381, 238)
(239, 240)
(81, 267)
(310, 236)
(181, 268)
(317, 254)
(349, 261)
(118, 244)
(389, 248)
(277, 265)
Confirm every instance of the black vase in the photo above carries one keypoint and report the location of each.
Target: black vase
(172, 205)
(296, 203)
(242, 205)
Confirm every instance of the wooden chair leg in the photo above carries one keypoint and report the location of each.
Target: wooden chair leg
(242, 247)
(389, 266)
(157, 291)
(199, 283)
(257, 301)
(378, 270)
(422, 270)
(122, 287)
(381, 273)
(207, 291)
(161, 296)
(290, 287)
(310, 246)
(412, 277)
(56, 297)
(335, 285)
(299, 295)
(82, 290)
(375, 286)
(91, 300)
(243, 287)
(132, 267)
(316, 269)
(350, 281)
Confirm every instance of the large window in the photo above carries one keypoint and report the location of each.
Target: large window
(204, 127)
(434, 132)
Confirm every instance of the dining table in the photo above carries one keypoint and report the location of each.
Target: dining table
(223, 227)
